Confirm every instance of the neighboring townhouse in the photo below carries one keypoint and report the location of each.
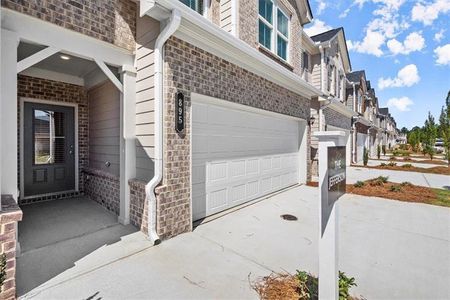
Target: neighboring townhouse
(165, 112)
(325, 63)
(357, 93)
(389, 129)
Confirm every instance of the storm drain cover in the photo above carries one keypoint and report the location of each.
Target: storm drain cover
(288, 217)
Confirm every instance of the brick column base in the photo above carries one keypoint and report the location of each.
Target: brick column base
(9, 216)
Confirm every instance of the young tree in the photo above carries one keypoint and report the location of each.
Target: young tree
(444, 126)
(430, 134)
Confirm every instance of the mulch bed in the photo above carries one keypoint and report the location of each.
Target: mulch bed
(406, 192)
(312, 183)
(278, 286)
(410, 160)
(434, 170)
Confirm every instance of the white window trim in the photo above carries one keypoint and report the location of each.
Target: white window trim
(275, 31)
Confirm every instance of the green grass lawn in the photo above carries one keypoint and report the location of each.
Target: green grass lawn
(442, 197)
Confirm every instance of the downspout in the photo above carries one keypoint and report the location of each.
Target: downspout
(354, 125)
(168, 31)
(322, 84)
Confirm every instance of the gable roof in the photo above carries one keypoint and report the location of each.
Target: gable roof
(331, 34)
(356, 76)
(325, 36)
(384, 111)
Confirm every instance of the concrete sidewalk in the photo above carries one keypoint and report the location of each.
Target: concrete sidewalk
(395, 250)
(355, 174)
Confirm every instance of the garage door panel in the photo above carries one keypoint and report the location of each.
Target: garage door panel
(247, 156)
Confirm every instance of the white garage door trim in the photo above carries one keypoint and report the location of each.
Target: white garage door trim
(273, 171)
(361, 140)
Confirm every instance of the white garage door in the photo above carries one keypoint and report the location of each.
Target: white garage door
(360, 144)
(238, 156)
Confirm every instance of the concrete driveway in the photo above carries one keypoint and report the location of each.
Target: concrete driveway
(395, 250)
(355, 174)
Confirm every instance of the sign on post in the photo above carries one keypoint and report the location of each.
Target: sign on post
(332, 183)
(179, 113)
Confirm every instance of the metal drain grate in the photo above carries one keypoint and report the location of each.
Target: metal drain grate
(289, 217)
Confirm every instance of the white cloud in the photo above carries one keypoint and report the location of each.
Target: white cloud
(371, 44)
(344, 13)
(407, 76)
(321, 5)
(438, 36)
(317, 26)
(402, 104)
(443, 55)
(413, 42)
(428, 12)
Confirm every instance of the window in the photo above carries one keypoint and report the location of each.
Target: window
(194, 4)
(273, 25)
(49, 137)
(305, 61)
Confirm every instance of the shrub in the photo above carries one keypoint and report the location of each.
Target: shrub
(379, 181)
(383, 165)
(407, 166)
(406, 183)
(345, 284)
(378, 151)
(405, 154)
(396, 188)
(309, 285)
(396, 153)
(359, 184)
(383, 148)
(365, 156)
(392, 164)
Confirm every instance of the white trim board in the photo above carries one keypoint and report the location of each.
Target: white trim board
(221, 102)
(36, 31)
(32, 100)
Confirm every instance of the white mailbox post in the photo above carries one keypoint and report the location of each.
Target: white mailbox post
(332, 182)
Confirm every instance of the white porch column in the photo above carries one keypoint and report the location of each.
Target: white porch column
(8, 117)
(128, 139)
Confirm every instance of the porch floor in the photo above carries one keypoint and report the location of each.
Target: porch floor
(70, 236)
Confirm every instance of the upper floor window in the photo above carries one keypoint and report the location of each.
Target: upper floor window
(273, 28)
(194, 4)
(305, 61)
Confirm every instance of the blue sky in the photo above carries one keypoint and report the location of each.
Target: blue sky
(404, 46)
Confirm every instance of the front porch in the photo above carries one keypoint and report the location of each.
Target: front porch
(68, 237)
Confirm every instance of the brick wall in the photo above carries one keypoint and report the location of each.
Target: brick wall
(43, 89)
(334, 118)
(138, 205)
(9, 216)
(248, 30)
(190, 69)
(112, 21)
(103, 188)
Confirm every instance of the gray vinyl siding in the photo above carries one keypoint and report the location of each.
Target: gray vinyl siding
(147, 32)
(226, 15)
(104, 128)
(315, 73)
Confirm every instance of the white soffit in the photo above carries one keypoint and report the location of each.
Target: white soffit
(200, 32)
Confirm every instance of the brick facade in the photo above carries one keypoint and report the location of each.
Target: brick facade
(138, 205)
(112, 21)
(335, 119)
(43, 89)
(10, 214)
(248, 31)
(103, 188)
(190, 69)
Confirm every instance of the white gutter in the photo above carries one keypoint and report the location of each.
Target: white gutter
(200, 32)
(169, 29)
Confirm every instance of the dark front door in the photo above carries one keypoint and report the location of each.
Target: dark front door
(49, 149)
